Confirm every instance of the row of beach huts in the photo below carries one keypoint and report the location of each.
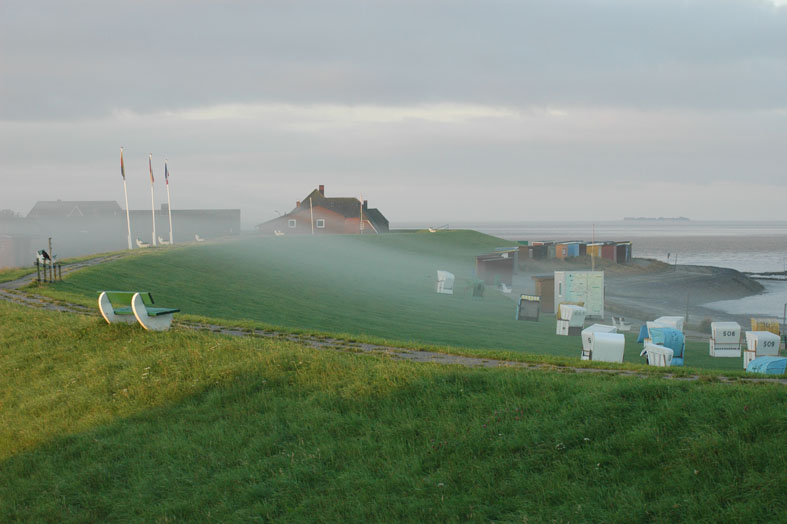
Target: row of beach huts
(614, 251)
(500, 265)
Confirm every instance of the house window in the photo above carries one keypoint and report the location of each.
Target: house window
(321, 223)
(291, 223)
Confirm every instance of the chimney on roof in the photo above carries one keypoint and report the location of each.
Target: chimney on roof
(297, 203)
(365, 205)
(322, 190)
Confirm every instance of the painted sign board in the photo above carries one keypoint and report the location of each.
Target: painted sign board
(586, 287)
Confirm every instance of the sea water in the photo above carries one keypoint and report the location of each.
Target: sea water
(754, 247)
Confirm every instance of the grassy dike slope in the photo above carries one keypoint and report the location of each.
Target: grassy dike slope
(113, 424)
(375, 286)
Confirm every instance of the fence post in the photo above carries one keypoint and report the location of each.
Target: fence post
(60, 271)
(38, 271)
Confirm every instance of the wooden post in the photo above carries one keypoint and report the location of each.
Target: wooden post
(60, 271)
(38, 271)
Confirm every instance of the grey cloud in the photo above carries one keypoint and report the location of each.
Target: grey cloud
(73, 60)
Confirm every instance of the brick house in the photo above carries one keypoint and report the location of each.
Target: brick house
(323, 215)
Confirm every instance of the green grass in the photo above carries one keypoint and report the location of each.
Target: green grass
(361, 286)
(7, 275)
(114, 424)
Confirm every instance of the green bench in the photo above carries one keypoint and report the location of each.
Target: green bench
(134, 306)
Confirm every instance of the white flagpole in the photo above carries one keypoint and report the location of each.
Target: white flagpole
(169, 202)
(125, 192)
(152, 201)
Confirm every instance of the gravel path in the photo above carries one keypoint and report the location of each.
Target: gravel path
(12, 291)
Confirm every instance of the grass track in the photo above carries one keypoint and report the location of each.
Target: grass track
(114, 424)
(376, 286)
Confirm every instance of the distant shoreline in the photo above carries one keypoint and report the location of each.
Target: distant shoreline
(662, 219)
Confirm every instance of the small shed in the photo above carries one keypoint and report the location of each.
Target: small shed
(594, 249)
(608, 251)
(623, 253)
(496, 268)
(565, 250)
(539, 252)
(545, 288)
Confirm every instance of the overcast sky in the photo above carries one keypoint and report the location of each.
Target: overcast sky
(433, 111)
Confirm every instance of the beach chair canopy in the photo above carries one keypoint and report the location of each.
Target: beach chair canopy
(726, 332)
(606, 346)
(528, 307)
(765, 324)
(587, 334)
(674, 322)
(574, 314)
(445, 282)
(669, 338)
(763, 343)
(768, 365)
(643, 333)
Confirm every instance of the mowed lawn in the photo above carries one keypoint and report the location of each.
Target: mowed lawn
(379, 286)
(108, 423)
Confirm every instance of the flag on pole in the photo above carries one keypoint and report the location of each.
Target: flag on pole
(150, 165)
(122, 168)
(166, 173)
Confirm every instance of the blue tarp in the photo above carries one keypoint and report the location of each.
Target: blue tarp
(670, 338)
(768, 365)
(643, 333)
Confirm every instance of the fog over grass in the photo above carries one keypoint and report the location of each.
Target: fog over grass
(371, 286)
